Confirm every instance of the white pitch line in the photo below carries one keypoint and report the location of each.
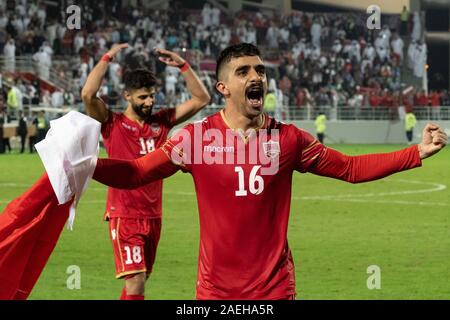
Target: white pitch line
(342, 198)
(436, 187)
(419, 203)
(13, 185)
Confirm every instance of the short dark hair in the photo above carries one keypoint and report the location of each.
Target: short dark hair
(235, 51)
(138, 78)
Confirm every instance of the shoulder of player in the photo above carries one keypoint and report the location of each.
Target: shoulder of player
(202, 124)
(294, 133)
(291, 127)
(197, 127)
(163, 111)
(162, 116)
(273, 123)
(208, 122)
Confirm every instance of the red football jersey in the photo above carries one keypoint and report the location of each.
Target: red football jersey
(244, 213)
(244, 200)
(126, 139)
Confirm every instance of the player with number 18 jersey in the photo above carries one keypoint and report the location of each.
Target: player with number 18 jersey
(135, 216)
(127, 139)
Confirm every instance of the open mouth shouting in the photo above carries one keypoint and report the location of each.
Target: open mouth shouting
(254, 95)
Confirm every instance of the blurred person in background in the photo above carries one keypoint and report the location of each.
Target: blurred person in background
(22, 131)
(9, 52)
(410, 123)
(4, 119)
(321, 126)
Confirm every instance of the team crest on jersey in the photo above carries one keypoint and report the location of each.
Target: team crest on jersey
(155, 128)
(271, 148)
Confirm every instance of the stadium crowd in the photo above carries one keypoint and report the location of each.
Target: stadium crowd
(315, 59)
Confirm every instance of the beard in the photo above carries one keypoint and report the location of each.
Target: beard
(142, 111)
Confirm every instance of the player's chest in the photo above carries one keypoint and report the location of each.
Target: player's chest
(136, 140)
(245, 168)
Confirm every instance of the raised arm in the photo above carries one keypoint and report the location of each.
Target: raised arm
(95, 107)
(131, 174)
(200, 96)
(355, 169)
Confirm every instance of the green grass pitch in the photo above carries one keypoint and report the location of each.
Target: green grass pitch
(337, 230)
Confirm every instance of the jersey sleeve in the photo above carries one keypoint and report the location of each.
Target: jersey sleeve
(325, 161)
(131, 174)
(310, 150)
(180, 147)
(368, 167)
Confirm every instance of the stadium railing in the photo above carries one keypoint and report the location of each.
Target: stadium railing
(340, 113)
(288, 113)
(350, 113)
(26, 64)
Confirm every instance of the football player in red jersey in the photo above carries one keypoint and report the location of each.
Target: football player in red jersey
(135, 215)
(244, 195)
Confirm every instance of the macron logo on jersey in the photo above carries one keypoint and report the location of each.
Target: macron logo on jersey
(217, 149)
(128, 127)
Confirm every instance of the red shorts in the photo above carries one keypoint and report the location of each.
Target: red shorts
(134, 243)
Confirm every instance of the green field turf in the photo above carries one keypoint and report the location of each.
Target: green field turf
(399, 224)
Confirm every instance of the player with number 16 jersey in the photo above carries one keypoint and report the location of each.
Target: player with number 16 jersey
(242, 162)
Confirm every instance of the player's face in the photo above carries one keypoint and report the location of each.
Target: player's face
(142, 101)
(246, 84)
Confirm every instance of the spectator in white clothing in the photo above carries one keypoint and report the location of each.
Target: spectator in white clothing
(206, 15)
(78, 42)
(316, 30)
(417, 28)
(57, 100)
(411, 52)
(9, 51)
(43, 62)
(215, 17)
(420, 59)
(397, 46)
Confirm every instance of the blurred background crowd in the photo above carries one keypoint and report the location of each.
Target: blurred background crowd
(316, 60)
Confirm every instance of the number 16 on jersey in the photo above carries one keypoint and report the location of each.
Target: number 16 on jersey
(255, 183)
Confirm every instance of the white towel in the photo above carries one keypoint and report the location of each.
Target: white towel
(69, 153)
